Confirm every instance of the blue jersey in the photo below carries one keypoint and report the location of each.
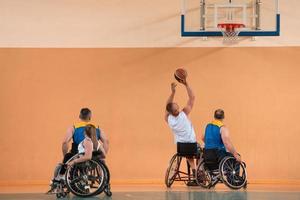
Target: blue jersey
(212, 137)
(78, 135)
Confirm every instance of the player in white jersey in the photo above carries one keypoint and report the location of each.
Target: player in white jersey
(178, 120)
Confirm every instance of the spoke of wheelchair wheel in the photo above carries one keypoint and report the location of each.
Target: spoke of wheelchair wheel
(92, 178)
(231, 178)
(75, 180)
(235, 178)
(237, 166)
(227, 166)
(81, 191)
(231, 164)
(240, 179)
(234, 183)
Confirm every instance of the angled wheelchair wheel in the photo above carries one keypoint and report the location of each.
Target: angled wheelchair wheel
(233, 173)
(106, 190)
(86, 179)
(203, 177)
(172, 170)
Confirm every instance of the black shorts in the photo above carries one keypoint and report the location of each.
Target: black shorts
(188, 149)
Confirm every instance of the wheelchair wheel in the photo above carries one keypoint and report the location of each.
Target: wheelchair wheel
(107, 180)
(86, 179)
(172, 170)
(203, 177)
(233, 173)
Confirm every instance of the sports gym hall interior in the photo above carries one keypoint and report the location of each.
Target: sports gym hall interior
(118, 59)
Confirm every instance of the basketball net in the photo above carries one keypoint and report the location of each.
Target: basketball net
(230, 31)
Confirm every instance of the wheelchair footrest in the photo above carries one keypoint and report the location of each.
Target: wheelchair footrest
(192, 183)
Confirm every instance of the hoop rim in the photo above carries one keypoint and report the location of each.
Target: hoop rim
(230, 27)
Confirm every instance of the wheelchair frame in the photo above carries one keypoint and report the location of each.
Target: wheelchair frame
(87, 173)
(179, 175)
(208, 178)
(221, 175)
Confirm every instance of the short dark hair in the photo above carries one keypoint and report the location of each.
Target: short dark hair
(169, 107)
(85, 114)
(219, 114)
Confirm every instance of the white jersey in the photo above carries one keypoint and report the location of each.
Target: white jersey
(182, 128)
(81, 147)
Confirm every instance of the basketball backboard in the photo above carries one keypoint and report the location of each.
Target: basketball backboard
(201, 17)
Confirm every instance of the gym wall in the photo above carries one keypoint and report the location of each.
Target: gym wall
(42, 91)
(118, 58)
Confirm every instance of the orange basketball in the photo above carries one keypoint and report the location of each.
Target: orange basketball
(180, 74)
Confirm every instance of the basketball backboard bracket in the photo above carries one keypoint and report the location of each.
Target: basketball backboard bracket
(261, 17)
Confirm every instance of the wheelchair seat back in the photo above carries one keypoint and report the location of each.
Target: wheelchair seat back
(211, 159)
(187, 149)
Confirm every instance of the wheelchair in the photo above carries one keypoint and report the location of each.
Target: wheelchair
(85, 179)
(212, 170)
(173, 173)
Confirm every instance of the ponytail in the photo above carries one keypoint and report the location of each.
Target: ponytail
(90, 131)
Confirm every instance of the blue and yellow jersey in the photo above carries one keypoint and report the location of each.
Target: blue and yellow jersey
(212, 137)
(78, 135)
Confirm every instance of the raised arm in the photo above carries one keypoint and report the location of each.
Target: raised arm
(228, 144)
(202, 138)
(66, 140)
(104, 140)
(189, 106)
(170, 99)
(102, 148)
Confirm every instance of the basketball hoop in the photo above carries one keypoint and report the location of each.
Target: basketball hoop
(230, 31)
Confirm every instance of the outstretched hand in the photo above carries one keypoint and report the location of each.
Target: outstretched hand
(237, 157)
(183, 81)
(173, 87)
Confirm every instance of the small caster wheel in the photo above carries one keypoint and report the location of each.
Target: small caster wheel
(64, 194)
(212, 186)
(245, 186)
(107, 191)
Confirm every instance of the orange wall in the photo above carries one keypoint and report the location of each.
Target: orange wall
(42, 91)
